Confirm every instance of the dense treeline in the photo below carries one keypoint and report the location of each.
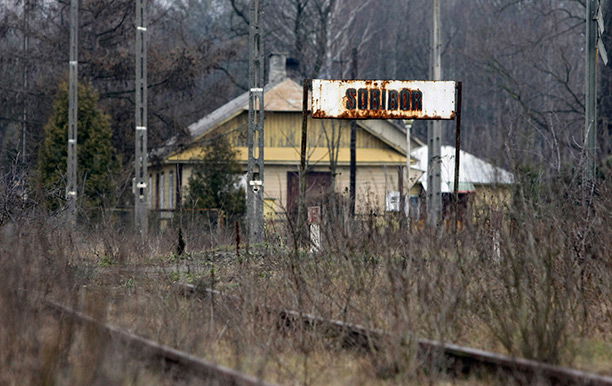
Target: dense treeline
(183, 82)
(521, 62)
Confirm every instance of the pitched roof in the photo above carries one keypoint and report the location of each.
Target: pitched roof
(286, 96)
(472, 170)
(282, 96)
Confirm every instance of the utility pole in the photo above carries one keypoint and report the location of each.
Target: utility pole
(71, 188)
(434, 132)
(595, 28)
(25, 56)
(255, 137)
(353, 160)
(591, 90)
(141, 218)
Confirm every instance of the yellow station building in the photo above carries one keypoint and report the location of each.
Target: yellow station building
(381, 153)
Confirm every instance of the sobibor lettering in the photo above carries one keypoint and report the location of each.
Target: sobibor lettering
(383, 99)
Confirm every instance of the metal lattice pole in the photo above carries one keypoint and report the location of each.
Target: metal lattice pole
(591, 90)
(255, 137)
(140, 136)
(25, 53)
(71, 188)
(434, 133)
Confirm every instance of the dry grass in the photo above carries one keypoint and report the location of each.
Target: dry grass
(534, 282)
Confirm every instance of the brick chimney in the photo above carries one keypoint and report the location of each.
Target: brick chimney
(278, 68)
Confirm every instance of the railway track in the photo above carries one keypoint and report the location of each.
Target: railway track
(213, 373)
(455, 358)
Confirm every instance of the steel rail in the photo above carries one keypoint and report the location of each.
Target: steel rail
(193, 364)
(459, 358)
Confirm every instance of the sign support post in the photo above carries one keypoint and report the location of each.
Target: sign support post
(301, 221)
(457, 152)
(353, 149)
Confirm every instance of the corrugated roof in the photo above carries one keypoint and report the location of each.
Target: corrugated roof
(472, 169)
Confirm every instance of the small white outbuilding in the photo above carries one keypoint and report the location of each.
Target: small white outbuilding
(481, 180)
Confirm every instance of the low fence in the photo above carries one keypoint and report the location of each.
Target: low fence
(160, 219)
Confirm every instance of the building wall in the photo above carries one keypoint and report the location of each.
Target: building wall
(275, 187)
(162, 187)
(495, 196)
(284, 130)
(373, 184)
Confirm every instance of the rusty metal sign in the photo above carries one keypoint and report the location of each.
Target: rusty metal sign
(383, 99)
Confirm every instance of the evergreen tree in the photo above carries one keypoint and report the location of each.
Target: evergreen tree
(214, 182)
(97, 161)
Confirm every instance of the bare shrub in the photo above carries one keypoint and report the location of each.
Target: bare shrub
(531, 281)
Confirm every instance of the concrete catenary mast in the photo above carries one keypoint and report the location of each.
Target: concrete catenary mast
(26, 63)
(71, 188)
(595, 28)
(141, 158)
(255, 137)
(434, 132)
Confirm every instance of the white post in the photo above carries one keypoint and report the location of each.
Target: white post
(314, 222)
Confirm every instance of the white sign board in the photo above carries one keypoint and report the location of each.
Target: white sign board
(383, 99)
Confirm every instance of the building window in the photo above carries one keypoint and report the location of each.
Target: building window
(162, 191)
(415, 207)
(171, 192)
(150, 191)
